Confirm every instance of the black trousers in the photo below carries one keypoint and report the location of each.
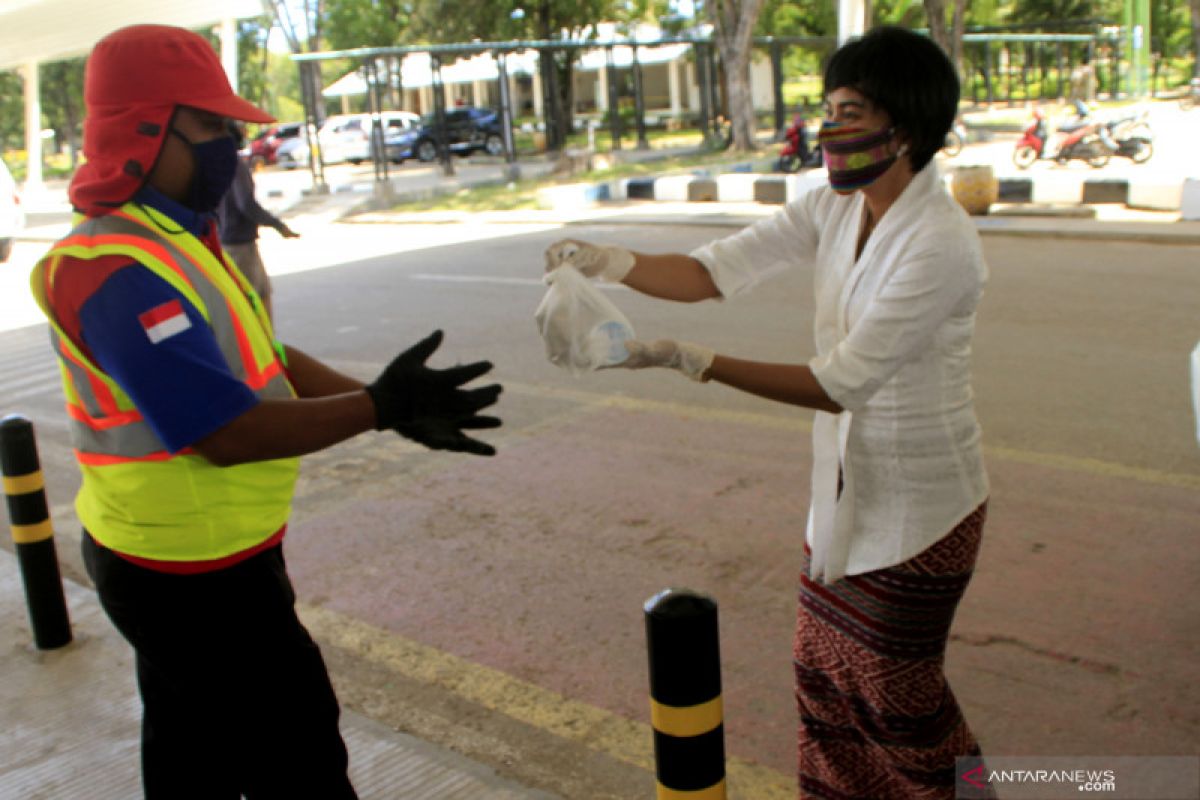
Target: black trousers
(236, 698)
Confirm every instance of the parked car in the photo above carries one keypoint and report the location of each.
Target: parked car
(347, 137)
(263, 147)
(12, 216)
(468, 129)
(292, 153)
(399, 137)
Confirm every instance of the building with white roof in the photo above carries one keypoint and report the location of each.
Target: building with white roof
(670, 86)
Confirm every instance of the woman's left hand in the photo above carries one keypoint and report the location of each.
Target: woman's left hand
(692, 360)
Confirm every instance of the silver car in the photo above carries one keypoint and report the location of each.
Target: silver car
(12, 217)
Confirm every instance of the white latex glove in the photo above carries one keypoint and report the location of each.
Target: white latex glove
(595, 261)
(690, 359)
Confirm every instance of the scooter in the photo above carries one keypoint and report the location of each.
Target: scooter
(795, 152)
(1133, 136)
(1083, 138)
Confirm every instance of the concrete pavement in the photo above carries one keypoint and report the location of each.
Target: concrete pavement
(72, 721)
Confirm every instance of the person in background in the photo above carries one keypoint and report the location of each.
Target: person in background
(899, 491)
(188, 418)
(239, 216)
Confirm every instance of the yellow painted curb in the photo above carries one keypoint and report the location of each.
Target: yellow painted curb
(602, 731)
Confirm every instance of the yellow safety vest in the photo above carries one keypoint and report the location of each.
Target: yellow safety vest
(136, 497)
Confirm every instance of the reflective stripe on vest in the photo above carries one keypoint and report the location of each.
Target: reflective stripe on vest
(105, 421)
(136, 497)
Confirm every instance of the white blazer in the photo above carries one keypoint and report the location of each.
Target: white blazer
(893, 339)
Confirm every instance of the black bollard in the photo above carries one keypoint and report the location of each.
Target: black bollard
(32, 533)
(685, 695)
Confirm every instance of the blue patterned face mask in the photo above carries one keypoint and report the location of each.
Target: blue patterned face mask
(215, 164)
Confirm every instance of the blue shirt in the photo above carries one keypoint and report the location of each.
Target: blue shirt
(168, 362)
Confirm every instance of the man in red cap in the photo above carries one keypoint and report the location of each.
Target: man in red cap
(188, 418)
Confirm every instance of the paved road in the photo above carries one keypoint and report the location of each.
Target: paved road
(494, 605)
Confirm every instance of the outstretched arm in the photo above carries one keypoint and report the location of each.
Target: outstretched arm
(793, 384)
(671, 276)
(288, 428)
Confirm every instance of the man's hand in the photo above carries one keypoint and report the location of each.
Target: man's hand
(287, 232)
(428, 405)
(690, 359)
(594, 261)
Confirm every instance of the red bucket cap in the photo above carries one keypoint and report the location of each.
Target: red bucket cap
(135, 78)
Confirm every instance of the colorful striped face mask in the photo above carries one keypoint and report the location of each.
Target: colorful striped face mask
(855, 157)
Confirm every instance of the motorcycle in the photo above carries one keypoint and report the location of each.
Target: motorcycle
(1083, 138)
(795, 152)
(955, 139)
(1133, 136)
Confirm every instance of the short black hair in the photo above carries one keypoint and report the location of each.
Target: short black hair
(909, 76)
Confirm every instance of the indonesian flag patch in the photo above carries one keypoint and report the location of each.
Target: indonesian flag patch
(164, 321)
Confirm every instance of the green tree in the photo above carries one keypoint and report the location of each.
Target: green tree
(366, 23)
(252, 58)
(1194, 7)
(62, 102)
(1170, 35)
(949, 39)
(789, 18)
(1055, 13)
(12, 110)
(734, 22)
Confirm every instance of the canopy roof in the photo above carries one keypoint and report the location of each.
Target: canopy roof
(416, 71)
(50, 30)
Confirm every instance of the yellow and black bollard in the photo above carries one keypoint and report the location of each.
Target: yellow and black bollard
(685, 695)
(33, 534)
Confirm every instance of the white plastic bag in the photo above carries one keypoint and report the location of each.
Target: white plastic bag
(582, 329)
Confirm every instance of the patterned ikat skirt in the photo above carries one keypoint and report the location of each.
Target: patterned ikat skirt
(877, 719)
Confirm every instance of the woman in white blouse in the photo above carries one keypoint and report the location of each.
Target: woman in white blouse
(898, 484)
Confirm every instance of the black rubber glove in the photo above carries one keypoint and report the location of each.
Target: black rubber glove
(428, 405)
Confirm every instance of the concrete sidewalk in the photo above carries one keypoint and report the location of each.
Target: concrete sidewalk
(1110, 223)
(71, 721)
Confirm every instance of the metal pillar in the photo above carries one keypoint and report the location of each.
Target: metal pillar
(378, 149)
(506, 118)
(1025, 72)
(309, 86)
(987, 72)
(1058, 54)
(777, 88)
(439, 115)
(639, 102)
(550, 104)
(614, 99)
(705, 98)
(714, 83)
(1115, 91)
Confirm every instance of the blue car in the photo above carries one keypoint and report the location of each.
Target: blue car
(398, 143)
(468, 130)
